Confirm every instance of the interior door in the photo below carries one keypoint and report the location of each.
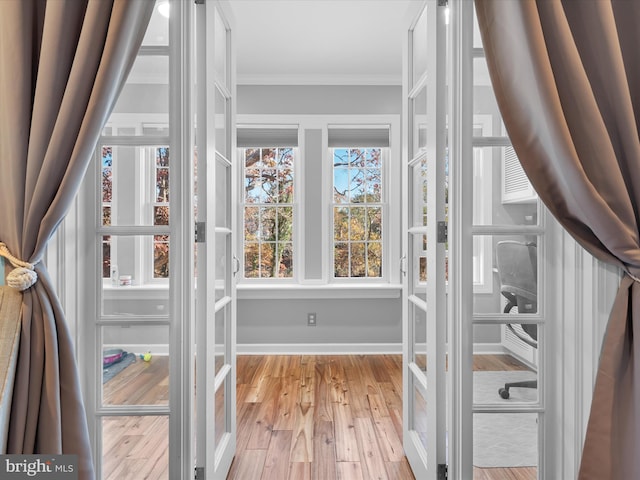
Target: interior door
(216, 264)
(424, 246)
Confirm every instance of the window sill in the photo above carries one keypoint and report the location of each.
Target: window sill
(136, 292)
(322, 291)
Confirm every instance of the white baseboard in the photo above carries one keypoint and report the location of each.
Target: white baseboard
(155, 349)
(344, 348)
(318, 348)
(311, 348)
(489, 349)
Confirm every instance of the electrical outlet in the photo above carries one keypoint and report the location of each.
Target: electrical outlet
(311, 319)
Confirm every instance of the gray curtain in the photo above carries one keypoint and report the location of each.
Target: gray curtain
(567, 80)
(62, 64)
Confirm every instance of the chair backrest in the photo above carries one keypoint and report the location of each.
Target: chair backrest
(517, 264)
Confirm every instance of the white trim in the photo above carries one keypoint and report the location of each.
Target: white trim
(319, 79)
(309, 291)
(391, 241)
(319, 348)
(156, 349)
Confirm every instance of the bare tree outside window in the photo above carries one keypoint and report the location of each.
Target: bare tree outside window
(357, 212)
(268, 212)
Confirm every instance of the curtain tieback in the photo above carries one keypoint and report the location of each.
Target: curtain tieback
(23, 276)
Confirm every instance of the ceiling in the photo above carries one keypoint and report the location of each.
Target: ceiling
(304, 42)
(349, 42)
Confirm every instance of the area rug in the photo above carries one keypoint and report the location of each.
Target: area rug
(504, 439)
(114, 369)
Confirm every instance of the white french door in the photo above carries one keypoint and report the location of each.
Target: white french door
(424, 245)
(216, 263)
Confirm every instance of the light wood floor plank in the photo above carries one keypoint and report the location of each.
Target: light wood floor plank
(276, 465)
(345, 434)
(248, 464)
(299, 471)
(303, 433)
(324, 451)
(370, 455)
(349, 471)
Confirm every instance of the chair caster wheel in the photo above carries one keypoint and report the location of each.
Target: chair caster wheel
(504, 393)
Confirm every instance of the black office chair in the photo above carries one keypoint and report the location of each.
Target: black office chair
(517, 264)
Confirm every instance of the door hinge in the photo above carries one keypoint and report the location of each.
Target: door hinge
(443, 471)
(201, 229)
(443, 3)
(199, 474)
(442, 232)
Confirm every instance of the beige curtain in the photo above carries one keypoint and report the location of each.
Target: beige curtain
(62, 64)
(567, 80)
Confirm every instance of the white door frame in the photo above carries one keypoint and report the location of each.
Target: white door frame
(425, 301)
(216, 274)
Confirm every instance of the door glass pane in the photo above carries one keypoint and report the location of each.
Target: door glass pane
(505, 274)
(135, 365)
(135, 447)
(135, 184)
(419, 414)
(502, 193)
(487, 121)
(221, 414)
(220, 50)
(134, 281)
(223, 192)
(419, 47)
(419, 121)
(221, 125)
(419, 320)
(507, 373)
(158, 30)
(145, 92)
(418, 173)
(221, 331)
(223, 249)
(418, 285)
(506, 440)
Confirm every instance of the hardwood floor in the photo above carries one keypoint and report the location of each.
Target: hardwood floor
(298, 417)
(320, 417)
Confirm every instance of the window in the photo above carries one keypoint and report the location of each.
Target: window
(318, 197)
(359, 195)
(161, 212)
(134, 191)
(268, 212)
(107, 195)
(357, 212)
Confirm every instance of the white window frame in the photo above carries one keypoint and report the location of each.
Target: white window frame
(296, 231)
(324, 287)
(384, 205)
(144, 201)
(482, 212)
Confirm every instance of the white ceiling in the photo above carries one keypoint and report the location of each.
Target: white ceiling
(321, 41)
(304, 42)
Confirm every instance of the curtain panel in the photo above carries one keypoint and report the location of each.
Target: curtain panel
(566, 75)
(62, 65)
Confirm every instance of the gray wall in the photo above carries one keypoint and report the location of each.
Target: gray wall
(284, 321)
(338, 321)
(328, 99)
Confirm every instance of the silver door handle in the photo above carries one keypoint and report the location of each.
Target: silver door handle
(236, 265)
(403, 265)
